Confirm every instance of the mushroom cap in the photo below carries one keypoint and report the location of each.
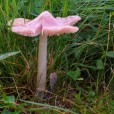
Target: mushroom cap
(46, 24)
(18, 22)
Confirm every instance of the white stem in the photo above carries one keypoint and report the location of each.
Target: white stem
(42, 63)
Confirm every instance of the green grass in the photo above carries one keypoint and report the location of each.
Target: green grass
(87, 54)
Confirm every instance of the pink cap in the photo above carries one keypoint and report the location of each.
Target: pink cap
(18, 22)
(46, 24)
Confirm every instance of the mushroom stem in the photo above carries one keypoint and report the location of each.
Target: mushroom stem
(42, 66)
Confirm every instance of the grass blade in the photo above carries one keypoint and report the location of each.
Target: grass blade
(48, 106)
(6, 55)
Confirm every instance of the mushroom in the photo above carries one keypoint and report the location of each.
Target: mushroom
(45, 25)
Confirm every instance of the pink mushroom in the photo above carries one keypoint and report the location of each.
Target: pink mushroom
(45, 25)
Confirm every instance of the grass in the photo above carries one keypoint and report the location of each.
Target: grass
(84, 61)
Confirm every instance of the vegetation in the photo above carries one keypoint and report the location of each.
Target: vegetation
(84, 61)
